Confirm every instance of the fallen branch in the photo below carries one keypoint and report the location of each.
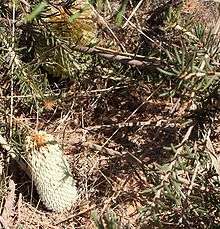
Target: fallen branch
(124, 58)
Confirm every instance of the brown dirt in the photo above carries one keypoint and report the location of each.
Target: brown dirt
(107, 181)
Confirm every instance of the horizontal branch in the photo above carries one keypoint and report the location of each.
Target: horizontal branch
(124, 58)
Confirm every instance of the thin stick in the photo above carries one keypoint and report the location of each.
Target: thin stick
(132, 14)
(12, 69)
(103, 22)
(75, 215)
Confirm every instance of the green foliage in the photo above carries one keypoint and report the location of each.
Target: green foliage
(108, 221)
(185, 191)
(36, 11)
(121, 12)
(190, 63)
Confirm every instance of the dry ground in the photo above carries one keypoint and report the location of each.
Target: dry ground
(111, 179)
(107, 161)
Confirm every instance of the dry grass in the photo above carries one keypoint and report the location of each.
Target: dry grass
(114, 165)
(109, 180)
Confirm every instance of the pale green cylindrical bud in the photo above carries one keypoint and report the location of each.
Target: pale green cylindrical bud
(50, 172)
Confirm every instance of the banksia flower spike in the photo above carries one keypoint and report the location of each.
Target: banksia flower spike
(73, 24)
(76, 22)
(50, 172)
